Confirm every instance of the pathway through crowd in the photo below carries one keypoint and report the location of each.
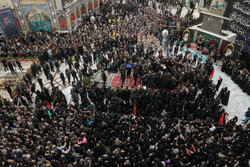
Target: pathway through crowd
(238, 101)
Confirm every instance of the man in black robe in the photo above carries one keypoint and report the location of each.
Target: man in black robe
(218, 84)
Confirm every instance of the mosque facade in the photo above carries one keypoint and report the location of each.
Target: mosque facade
(47, 15)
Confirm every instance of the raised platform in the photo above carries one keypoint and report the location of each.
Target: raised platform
(227, 35)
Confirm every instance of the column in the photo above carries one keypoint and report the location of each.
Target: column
(69, 21)
(51, 7)
(20, 15)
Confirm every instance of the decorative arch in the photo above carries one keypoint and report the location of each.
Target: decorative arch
(33, 11)
(38, 20)
(72, 19)
(90, 6)
(83, 10)
(77, 13)
(42, 7)
(95, 4)
(62, 22)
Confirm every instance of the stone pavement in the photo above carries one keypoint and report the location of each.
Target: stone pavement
(7, 76)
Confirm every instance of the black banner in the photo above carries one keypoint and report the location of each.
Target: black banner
(8, 23)
(239, 11)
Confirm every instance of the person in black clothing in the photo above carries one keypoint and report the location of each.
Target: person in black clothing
(33, 88)
(46, 71)
(73, 72)
(25, 79)
(29, 78)
(34, 70)
(69, 62)
(67, 72)
(104, 77)
(7, 87)
(218, 84)
(123, 76)
(5, 64)
(192, 6)
(51, 65)
(75, 97)
(135, 75)
(40, 81)
(19, 65)
(57, 66)
(77, 66)
(51, 79)
(10, 65)
(62, 78)
(129, 72)
(225, 98)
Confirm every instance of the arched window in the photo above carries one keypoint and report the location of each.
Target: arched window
(90, 6)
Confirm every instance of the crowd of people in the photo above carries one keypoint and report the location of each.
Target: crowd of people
(236, 71)
(174, 118)
(12, 65)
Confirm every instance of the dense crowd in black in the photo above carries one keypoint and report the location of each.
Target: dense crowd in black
(177, 109)
(236, 71)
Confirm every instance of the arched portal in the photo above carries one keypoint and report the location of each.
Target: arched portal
(72, 18)
(77, 14)
(90, 6)
(83, 10)
(63, 23)
(95, 4)
(38, 20)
